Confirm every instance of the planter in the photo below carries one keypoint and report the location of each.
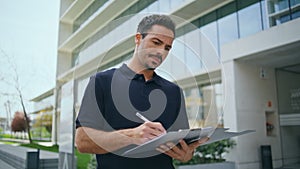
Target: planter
(223, 165)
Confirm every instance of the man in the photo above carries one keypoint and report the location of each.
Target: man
(107, 124)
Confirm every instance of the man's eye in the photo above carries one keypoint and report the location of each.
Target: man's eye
(156, 43)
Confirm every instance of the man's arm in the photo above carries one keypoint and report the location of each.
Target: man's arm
(89, 140)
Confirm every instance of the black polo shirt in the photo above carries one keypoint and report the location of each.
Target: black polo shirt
(111, 101)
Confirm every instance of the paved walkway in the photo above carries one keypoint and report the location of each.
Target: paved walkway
(4, 165)
(15, 155)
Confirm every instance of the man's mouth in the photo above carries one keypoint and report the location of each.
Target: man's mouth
(157, 58)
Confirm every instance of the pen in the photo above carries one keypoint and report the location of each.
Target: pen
(142, 117)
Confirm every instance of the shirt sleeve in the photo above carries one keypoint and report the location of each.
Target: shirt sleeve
(90, 114)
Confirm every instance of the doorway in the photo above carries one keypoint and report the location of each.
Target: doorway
(288, 92)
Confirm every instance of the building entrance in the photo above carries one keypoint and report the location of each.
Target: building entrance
(288, 90)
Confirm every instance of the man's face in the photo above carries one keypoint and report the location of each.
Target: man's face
(154, 47)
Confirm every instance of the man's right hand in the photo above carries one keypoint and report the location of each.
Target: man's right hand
(147, 131)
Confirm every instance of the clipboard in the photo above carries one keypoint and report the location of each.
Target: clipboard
(189, 135)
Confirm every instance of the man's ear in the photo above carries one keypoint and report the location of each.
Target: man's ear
(138, 38)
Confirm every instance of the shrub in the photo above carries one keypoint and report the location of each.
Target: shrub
(210, 153)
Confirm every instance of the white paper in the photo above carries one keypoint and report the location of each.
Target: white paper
(190, 135)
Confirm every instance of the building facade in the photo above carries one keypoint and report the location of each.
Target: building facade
(237, 61)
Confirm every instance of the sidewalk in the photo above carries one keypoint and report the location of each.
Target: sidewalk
(5, 165)
(14, 156)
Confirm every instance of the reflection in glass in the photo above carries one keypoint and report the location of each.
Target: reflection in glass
(283, 19)
(228, 30)
(178, 59)
(264, 14)
(194, 107)
(204, 105)
(278, 5)
(294, 2)
(250, 20)
(296, 14)
(193, 60)
(210, 33)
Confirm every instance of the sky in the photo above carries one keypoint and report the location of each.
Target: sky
(28, 41)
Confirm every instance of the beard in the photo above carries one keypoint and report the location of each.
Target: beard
(154, 64)
(151, 68)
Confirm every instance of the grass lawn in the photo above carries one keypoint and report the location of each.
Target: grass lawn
(82, 159)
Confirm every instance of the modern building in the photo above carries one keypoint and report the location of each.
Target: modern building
(43, 115)
(236, 59)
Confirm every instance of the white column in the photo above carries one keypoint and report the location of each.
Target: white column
(249, 99)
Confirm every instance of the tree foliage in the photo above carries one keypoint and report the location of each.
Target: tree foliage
(19, 123)
(15, 83)
(44, 120)
(210, 153)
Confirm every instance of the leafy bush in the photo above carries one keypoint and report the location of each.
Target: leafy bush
(210, 153)
(93, 162)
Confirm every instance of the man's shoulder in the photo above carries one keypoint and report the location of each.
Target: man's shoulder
(167, 83)
(105, 74)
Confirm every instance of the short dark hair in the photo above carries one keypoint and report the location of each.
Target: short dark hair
(147, 22)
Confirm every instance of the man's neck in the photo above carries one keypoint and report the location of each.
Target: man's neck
(148, 74)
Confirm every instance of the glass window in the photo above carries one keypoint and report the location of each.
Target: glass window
(219, 101)
(294, 2)
(296, 14)
(277, 5)
(295, 5)
(203, 101)
(178, 59)
(227, 10)
(281, 5)
(87, 13)
(209, 45)
(192, 51)
(228, 30)
(194, 107)
(264, 14)
(209, 28)
(283, 18)
(250, 20)
(164, 6)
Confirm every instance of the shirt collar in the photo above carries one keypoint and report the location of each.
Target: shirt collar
(130, 74)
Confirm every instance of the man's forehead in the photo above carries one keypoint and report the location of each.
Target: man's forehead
(161, 35)
(160, 30)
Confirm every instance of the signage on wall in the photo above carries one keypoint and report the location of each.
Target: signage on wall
(295, 98)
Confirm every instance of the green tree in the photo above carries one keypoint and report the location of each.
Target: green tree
(44, 120)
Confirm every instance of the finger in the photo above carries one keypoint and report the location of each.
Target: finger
(177, 150)
(172, 146)
(156, 126)
(183, 145)
(155, 132)
(198, 143)
(151, 133)
(168, 151)
(164, 148)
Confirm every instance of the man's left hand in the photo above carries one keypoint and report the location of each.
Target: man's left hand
(182, 152)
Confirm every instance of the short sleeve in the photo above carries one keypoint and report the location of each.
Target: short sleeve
(90, 114)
